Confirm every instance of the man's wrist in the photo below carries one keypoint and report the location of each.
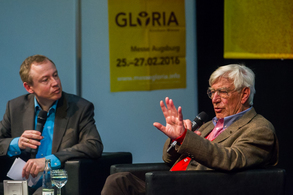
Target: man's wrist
(14, 149)
(181, 138)
(55, 162)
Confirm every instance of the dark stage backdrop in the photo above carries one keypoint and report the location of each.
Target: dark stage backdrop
(274, 80)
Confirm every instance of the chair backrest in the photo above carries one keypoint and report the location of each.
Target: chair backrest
(252, 182)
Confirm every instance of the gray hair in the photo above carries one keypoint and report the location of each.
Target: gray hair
(240, 74)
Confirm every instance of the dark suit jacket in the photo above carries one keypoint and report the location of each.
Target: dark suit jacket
(248, 142)
(75, 133)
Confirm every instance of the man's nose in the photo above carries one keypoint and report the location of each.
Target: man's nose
(54, 81)
(216, 97)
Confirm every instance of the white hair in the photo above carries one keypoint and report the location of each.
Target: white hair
(240, 74)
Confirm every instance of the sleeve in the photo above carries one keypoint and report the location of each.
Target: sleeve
(251, 147)
(55, 162)
(14, 149)
(172, 156)
(5, 132)
(81, 139)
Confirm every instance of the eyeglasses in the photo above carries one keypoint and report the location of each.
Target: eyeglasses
(222, 92)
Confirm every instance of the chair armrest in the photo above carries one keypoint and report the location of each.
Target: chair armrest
(6, 163)
(87, 176)
(139, 169)
(252, 182)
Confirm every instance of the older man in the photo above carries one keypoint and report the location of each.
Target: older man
(236, 138)
(69, 131)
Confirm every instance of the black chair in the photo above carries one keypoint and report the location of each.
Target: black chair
(270, 181)
(85, 176)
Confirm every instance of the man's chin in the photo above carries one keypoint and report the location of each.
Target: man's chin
(56, 96)
(219, 115)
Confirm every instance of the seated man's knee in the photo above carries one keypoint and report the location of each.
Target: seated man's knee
(123, 183)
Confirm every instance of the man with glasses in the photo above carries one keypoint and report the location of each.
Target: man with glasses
(236, 138)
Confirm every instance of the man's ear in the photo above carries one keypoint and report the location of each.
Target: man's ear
(28, 87)
(245, 95)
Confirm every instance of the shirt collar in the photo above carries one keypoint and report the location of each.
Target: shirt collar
(38, 107)
(231, 119)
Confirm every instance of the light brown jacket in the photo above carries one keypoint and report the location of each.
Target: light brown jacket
(247, 143)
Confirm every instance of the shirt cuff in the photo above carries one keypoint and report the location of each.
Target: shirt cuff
(55, 162)
(14, 149)
(181, 138)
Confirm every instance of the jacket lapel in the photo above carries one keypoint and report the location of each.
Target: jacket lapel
(29, 114)
(208, 127)
(28, 111)
(60, 123)
(236, 125)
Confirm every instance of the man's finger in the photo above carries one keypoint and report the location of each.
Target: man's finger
(197, 132)
(159, 126)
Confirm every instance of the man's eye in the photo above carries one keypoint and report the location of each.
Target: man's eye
(223, 92)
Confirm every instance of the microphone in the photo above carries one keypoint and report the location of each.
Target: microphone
(199, 120)
(41, 120)
(196, 123)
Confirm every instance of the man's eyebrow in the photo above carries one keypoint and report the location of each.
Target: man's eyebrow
(45, 76)
(223, 88)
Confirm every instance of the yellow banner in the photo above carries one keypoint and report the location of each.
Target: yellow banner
(258, 29)
(147, 44)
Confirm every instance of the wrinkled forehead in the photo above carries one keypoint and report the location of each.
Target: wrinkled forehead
(223, 82)
(42, 68)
